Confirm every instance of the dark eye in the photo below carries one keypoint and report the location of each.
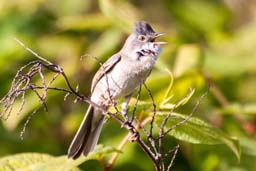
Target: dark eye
(142, 38)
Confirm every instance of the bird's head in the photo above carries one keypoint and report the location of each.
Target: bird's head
(142, 41)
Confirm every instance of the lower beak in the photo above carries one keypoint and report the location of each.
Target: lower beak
(158, 42)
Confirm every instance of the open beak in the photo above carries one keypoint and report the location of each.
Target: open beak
(156, 36)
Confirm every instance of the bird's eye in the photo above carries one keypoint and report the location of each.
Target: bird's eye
(142, 38)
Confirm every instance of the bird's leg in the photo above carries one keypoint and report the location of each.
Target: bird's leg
(124, 109)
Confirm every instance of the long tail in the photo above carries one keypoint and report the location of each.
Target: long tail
(87, 135)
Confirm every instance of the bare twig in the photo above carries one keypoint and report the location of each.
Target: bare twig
(135, 105)
(31, 51)
(27, 122)
(154, 109)
(175, 150)
(191, 113)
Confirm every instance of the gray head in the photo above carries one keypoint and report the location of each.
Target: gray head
(142, 41)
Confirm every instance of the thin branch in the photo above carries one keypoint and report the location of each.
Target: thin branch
(135, 105)
(154, 109)
(175, 149)
(31, 51)
(123, 143)
(27, 122)
(191, 113)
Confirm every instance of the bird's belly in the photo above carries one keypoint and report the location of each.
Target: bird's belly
(121, 81)
(124, 84)
(117, 84)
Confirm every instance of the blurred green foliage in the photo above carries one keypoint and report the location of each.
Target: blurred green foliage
(208, 40)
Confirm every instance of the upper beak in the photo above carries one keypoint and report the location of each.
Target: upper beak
(156, 36)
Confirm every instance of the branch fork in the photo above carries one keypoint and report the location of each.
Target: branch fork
(152, 145)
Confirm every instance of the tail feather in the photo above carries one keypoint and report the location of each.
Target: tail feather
(87, 135)
(93, 138)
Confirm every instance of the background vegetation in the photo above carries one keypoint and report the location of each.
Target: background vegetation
(207, 40)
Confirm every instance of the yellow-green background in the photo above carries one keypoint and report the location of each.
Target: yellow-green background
(213, 38)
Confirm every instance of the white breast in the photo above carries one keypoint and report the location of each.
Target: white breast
(124, 78)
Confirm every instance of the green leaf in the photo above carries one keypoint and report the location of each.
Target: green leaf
(165, 104)
(168, 91)
(64, 164)
(197, 131)
(45, 162)
(22, 161)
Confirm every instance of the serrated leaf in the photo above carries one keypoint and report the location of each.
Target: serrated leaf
(19, 162)
(197, 131)
(45, 162)
(64, 164)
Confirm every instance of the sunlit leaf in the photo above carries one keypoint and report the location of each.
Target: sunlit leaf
(44, 162)
(167, 105)
(23, 161)
(167, 95)
(197, 131)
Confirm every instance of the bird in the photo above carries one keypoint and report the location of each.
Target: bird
(118, 77)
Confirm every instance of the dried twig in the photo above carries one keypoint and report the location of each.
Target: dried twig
(175, 150)
(135, 105)
(191, 113)
(154, 109)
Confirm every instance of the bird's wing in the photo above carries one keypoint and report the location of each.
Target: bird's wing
(105, 68)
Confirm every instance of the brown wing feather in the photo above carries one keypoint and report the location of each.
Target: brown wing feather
(105, 68)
